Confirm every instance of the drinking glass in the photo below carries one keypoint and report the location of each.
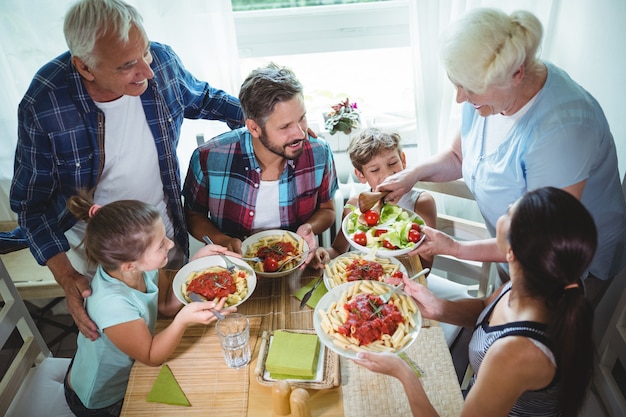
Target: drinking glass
(234, 334)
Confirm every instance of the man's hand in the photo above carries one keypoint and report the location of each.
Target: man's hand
(76, 287)
(76, 290)
(306, 232)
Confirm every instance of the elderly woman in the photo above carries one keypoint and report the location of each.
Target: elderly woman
(525, 124)
(531, 349)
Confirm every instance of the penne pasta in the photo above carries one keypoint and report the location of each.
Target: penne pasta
(281, 247)
(217, 279)
(335, 318)
(357, 266)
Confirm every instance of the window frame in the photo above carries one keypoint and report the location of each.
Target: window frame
(313, 29)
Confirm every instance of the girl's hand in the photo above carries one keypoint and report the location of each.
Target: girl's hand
(200, 313)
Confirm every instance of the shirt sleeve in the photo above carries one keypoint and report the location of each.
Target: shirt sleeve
(201, 100)
(33, 191)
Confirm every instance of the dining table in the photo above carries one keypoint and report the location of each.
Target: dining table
(214, 389)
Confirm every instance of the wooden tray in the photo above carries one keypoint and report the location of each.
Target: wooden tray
(331, 374)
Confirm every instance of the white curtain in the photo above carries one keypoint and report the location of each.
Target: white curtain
(201, 32)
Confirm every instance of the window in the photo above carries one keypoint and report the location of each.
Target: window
(360, 51)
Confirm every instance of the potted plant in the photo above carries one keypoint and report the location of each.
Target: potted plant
(343, 117)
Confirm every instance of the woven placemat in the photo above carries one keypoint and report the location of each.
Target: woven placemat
(367, 393)
(212, 388)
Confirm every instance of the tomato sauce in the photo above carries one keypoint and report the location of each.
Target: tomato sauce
(367, 322)
(213, 285)
(361, 269)
(278, 251)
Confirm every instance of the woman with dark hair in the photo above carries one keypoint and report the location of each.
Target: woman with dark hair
(531, 349)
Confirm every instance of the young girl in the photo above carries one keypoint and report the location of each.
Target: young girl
(126, 239)
(531, 349)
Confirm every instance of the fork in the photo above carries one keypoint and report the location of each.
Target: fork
(289, 259)
(196, 298)
(385, 297)
(230, 265)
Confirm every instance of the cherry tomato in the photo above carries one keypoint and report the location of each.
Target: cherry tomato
(270, 265)
(379, 232)
(360, 238)
(388, 245)
(415, 226)
(371, 217)
(414, 235)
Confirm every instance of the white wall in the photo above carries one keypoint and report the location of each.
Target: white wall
(602, 69)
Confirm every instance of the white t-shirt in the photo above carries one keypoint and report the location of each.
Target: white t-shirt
(131, 165)
(266, 215)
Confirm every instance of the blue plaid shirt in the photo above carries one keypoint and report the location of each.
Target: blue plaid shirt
(224, 176)
(60, 147)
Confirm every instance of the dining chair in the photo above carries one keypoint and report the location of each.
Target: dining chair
(33, 382)
(610, 339)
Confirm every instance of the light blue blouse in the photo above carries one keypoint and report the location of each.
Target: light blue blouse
(563, 139)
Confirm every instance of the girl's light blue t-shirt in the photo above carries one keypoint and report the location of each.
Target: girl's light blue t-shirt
(100, 371)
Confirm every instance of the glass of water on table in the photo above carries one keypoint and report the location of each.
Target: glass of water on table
(234, 334)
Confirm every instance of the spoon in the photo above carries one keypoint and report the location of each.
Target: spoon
(368, 199)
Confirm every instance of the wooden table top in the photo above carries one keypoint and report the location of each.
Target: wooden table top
(214, 389)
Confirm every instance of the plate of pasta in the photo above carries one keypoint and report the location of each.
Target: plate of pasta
(351, 318)
(275, 248)
(209, 278)
(353, 266)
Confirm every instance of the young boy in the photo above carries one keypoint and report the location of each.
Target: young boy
(376, 155)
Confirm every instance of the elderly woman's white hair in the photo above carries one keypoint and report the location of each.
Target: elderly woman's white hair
(88, 20)
(487, 46)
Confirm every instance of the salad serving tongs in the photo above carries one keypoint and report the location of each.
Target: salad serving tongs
(368, 199)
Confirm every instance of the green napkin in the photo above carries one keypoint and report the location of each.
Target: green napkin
(315, 297)
(166, 389)
(293, 355)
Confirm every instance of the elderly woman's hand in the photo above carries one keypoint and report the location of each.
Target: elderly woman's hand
(398, 185)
